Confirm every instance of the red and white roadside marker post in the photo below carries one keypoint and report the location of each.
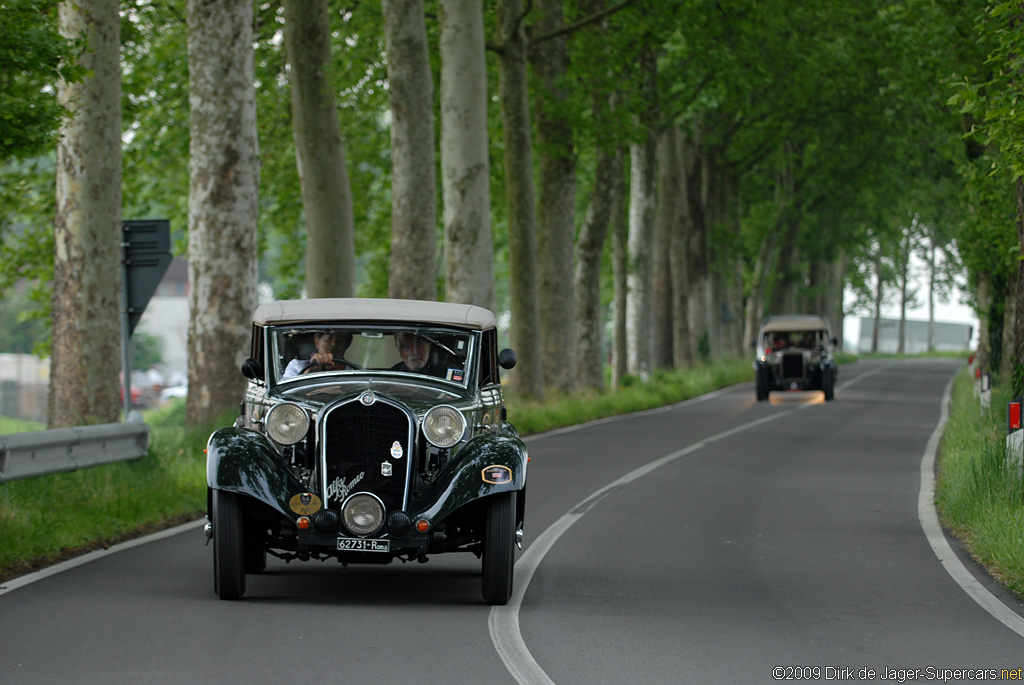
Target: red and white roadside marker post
(1014, 436)
(985, 393)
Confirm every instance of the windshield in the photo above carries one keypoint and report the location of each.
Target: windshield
(807, 340)
(431, 351)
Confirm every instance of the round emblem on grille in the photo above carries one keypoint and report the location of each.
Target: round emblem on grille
(367, 398)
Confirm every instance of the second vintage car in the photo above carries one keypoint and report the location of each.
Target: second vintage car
(795, 353)
(371, 430)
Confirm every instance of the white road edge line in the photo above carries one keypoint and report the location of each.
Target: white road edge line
(937, 539)
(22, 581)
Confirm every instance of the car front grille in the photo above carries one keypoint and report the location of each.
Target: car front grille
(793, 365)
(358, 450)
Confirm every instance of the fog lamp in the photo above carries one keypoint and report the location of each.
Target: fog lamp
(363, 514)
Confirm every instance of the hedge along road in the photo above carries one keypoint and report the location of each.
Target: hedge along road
(710, 541)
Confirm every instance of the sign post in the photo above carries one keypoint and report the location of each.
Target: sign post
(145, 256)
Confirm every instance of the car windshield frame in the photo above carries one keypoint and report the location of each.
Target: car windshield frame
(373, 350)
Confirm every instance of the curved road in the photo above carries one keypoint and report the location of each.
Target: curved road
(713, 541)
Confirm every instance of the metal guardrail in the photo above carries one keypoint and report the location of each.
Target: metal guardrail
(25, 455)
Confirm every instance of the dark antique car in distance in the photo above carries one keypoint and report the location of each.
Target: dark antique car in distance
(795, 352)
(371, 430)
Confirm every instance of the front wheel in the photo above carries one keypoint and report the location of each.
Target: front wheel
(499, 548)
(828, 384)
(761, 383)
(228, 548)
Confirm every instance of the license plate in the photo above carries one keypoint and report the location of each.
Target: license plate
(363, 545)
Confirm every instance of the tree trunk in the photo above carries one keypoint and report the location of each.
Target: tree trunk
(413, 268)
(222, 208)
(673, 201)
(785, 291)
(759, 291)
(1017, 375)
(698, 257)
(319, 152)
(524, 299)
(87, 285)
(834, 300)
(903, 271)
(725, 326)
(661, 285)
(608, 189)
(667, 223)
(556, 190)
(879, 294)
(620, 267)
(981, 359)
(931, 250)
(639, 281)
(465, 169)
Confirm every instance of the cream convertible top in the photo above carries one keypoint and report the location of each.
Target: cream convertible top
(796, 322)
(371, 309)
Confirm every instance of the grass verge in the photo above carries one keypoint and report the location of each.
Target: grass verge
(980, 499)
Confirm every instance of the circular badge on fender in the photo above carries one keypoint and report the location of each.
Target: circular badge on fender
(304, 504)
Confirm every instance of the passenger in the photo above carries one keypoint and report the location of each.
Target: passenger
(417, 355)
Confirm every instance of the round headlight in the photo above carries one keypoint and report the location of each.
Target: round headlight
(363, 514)
(444, 426)
(287, 423)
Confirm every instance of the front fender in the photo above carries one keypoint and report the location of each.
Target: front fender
(243, 461)
(470, 476)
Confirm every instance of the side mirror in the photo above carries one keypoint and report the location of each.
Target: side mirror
(835, 340)
(507, 358)
(251, 368)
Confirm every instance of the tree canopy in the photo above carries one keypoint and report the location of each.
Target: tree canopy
(799, 151)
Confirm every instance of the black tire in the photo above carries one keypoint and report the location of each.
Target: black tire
(828, 384)
(228, 549)
(761, 382)
(499, 548)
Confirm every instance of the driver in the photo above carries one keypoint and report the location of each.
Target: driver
(329, 355)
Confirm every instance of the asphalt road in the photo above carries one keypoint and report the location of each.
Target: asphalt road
(710, 542)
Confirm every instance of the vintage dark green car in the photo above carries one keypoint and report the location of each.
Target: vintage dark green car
(370, 430)
(795, 352)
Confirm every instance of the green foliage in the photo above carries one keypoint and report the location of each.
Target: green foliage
(147, 350)
(33, 56)
(994, 102)
(18, 331)
(26, 245)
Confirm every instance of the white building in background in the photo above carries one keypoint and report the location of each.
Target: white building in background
(949, 337)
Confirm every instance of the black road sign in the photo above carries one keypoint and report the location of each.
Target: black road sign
(146, 256)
